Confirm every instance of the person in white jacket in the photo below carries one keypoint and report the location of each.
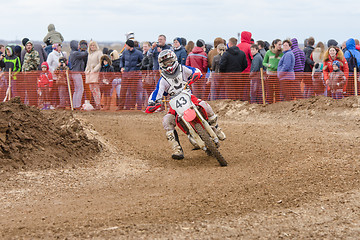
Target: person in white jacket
(54, 56)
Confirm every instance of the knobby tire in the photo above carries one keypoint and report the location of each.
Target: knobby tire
(210, 145)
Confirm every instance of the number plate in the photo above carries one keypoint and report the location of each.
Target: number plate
(181, 103)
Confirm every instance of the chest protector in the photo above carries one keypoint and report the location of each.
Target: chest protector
(176, 81)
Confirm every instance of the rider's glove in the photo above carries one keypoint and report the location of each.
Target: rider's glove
(194, 77)
(152, 107)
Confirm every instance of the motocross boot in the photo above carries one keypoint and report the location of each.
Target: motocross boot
(174, 141)
(213, 123)
(193, 142)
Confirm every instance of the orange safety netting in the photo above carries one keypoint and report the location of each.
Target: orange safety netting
(131, 90)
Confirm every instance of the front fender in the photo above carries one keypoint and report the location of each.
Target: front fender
(189, 115)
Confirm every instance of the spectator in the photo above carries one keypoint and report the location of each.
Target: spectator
(357, 44)
(54, 56)
(189, 47)
(52, 37)
(106, 77)
(130, 67)
(298, 68)
(261, 46)
(245, 47)
(17, 51)
(233, 61)
(183, 42)
(31, 64)
(214, 52)
(317, 56)
(267, 46)
(148, 78)
(271, 61)
(9, 60)
(198, 59)
(179, 51)
(53, 61)
(61, 83)
(92, 72)
(105, 50)
(343, 47)
(116, 83)
(45, 84)
(307, 51)
(336, 81)
(351, 53)
(42, 54)
(255, 78)
(156, 48)
(77, 59)
(115, 59)
(332, 42)
(286, 72)
(332, 54)
(2, 49)
(217, 84)
(215, 65)
(309, 64)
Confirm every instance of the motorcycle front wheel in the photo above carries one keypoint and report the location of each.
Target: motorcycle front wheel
(210, 145)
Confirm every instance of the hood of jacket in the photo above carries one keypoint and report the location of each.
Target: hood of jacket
(350, 44)
(10, 49)
(218, 41)
(115, 54)
(339, 55)
(105, 57)
(197, 50)
(51, 27)
(295, 43)
(246, 37)
(45, 64)
(74, 45)
(234, 50)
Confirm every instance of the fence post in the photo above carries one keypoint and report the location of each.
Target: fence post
(9, 84)
(69, 89)
(262, 85)
(355, 82)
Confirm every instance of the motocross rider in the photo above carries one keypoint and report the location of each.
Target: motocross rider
(174, 77)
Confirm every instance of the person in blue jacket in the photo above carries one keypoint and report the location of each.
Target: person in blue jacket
(286, 72)
(130, 66)
(179, 51)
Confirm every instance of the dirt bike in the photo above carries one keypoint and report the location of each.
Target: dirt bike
(192, 119)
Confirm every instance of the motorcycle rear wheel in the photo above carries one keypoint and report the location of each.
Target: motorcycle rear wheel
(210, 145)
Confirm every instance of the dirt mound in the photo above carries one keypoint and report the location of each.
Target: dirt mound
(233, 108)
(30, 138)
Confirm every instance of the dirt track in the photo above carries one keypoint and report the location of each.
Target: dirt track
(293, 173)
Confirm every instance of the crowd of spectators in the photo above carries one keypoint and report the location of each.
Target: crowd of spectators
(232, 69)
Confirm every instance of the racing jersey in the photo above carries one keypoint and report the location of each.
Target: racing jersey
(172, 84)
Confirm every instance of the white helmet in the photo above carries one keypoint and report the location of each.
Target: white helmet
(168, 61)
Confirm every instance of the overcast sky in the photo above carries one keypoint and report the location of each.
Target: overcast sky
(107, 20)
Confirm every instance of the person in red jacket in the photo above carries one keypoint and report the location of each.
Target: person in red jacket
(244, 46)
(45, 84)
(335, 54)
(198, 59)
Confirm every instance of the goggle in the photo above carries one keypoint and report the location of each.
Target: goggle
(168, 62)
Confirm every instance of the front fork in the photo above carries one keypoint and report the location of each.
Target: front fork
(205, 124)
